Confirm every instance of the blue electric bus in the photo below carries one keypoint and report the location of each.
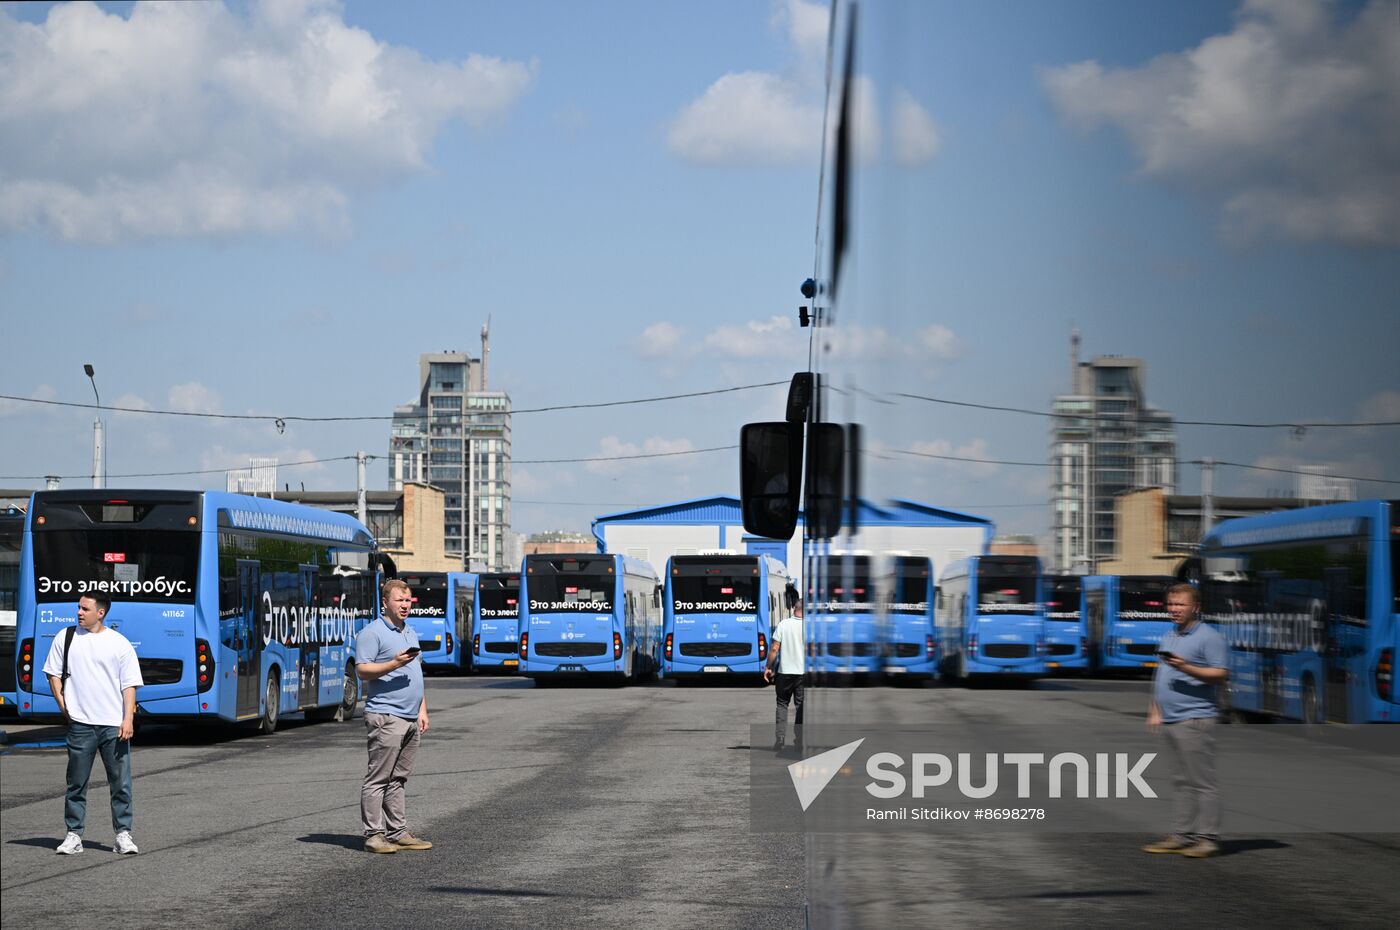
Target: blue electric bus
(1125, 618)
(496, 623)
(991, 617)
(442, 630)
(1066, 638)
(240, 608)
(1309, 602)
(584, 614)
(911, 648)
(11, 536)
(719, 614)
(842, 624)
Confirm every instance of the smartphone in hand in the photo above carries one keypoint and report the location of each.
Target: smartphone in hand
(413, 650)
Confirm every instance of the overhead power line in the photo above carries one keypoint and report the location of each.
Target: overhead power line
(283, 419)
(1294, 471)
(1178, 422)
(619, 458)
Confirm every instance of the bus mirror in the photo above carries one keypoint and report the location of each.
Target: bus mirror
(770, 478)
(826, 454)
(386, 565)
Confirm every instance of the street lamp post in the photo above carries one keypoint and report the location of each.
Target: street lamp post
(99, 453)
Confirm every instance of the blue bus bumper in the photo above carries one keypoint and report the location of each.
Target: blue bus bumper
(1018, 667)
(497, 662)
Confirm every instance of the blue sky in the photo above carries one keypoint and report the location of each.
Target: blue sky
(274, 208)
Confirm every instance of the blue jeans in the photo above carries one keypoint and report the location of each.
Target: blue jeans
(85, 741)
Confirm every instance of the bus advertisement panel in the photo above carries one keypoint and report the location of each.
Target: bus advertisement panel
(239, 608)
(496, 623)
(1308, 602)
(588, 614)
(719, 614)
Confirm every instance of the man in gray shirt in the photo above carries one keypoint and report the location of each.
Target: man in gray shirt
(396, 715)
(1184, 706)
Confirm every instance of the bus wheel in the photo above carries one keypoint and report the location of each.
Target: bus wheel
(272, 704)
(1312, 712)
(351, 695)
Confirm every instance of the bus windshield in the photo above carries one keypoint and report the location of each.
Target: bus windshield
(712, 589)
(125, 564)
(1006, 586)
(910, 591)
(429, 600)
(1064, 599)
(849, 587)
(1143, 596)
(571, 585)
(497, 601)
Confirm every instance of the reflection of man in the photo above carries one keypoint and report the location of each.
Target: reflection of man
(98, 698)
(1183, 707)
(396, 715)
(788, 657)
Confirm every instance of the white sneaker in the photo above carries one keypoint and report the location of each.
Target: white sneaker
(72, 845)
(124, 845)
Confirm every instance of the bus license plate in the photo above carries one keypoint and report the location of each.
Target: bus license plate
(715, 668)
(511, 662)
(571, 668)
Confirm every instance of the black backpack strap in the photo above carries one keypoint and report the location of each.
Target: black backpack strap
(67, 645)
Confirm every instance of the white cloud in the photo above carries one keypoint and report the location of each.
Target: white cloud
(771, 338)
(612, 446)
(130, 402)
(194, 397)
(19, 408)
(805, 24)
(916, 136)
(1382, 407)
(748, 117)
(659, 339)
(189, 120)
(1289, 119)
(941, 342)
(975, 449)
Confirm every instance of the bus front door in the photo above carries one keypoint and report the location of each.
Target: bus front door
(247, 640)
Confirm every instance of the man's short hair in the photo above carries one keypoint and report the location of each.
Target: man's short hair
(1188, 589)
(101, 601)
(393, 583)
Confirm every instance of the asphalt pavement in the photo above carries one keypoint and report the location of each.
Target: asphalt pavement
(620, 807)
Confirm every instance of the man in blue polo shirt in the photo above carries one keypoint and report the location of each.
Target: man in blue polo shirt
(1184, 707)
(396, 715)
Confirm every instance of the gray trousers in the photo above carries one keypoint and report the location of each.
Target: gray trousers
(1196, 807)
(393, 745)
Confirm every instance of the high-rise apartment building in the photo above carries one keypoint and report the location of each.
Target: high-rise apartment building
(457, 438)
(1105, 440)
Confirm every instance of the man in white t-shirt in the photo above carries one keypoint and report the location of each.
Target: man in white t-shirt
(787, 667)
(98, 699)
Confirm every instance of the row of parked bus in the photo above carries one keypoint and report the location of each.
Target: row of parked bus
(245, 609)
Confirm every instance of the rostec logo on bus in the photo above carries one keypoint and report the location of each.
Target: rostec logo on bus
(298, 625)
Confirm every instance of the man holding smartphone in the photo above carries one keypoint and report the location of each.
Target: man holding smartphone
(1192, 666)
(396, 716)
